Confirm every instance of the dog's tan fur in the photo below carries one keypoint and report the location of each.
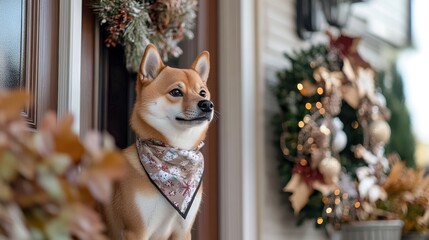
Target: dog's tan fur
(138, 210)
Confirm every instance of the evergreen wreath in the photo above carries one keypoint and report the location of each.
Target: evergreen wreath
(333, 122)
(136, 23)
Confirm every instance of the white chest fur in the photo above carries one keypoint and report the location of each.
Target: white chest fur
(161, 220)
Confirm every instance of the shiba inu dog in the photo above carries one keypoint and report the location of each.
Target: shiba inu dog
(160, 196)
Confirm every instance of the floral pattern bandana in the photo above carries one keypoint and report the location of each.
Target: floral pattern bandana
(176, 173)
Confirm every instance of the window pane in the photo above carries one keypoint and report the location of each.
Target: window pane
(11, 43)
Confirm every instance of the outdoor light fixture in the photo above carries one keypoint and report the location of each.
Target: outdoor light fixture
(309, 14)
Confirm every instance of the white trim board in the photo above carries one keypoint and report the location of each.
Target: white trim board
(69, 59)
(238, 123)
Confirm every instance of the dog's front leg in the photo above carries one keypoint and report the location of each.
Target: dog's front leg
(132, 235)
(181, 236)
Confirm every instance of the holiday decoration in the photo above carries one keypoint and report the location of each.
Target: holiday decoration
(50, 181)
(136, 23)
(333, 129)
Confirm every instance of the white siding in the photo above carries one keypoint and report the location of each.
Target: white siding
(276, 35)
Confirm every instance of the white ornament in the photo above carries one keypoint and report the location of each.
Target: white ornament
(338, 125)
(339, 142)
(379, 131)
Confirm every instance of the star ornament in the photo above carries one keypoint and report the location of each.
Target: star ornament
(361, 84)
(365, 84)
(330, 79)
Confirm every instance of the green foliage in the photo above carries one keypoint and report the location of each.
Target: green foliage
(402, 140)
(292, 106)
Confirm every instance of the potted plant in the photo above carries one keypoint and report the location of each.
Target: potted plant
(408, 199)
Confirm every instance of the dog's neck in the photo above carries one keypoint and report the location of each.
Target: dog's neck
(186, 139)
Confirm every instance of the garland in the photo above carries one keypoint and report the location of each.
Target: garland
(136, 23)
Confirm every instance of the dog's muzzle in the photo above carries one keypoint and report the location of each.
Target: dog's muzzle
(206, 105)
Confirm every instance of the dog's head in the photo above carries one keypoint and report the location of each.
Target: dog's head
(172, 105)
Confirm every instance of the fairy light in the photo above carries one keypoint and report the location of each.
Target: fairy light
(357, 204)
(322, 111)
(307, 119)
(303, 162)
(299, 147)
(300, 86)
(319, 220)
(319, 105)
(325, 130)
(301, 124)
(319, 90)
(328, 210)
(337, 192)
(310, 140)
(325, 200)
(345, 196)
(337, 200)
(308, 106)
(286, 151)
(355, 124)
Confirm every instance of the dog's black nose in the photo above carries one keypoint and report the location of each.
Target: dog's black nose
(206, 105)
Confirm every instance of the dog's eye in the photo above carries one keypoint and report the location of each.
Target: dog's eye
(203, 93)
(176, 93)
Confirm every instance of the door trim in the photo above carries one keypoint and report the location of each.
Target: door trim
(69, 62)
(240, 106)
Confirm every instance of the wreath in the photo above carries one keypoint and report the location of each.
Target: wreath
(136, 23)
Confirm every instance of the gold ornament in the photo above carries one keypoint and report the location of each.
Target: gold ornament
(330, 168)
(330, 79)
(379, 132)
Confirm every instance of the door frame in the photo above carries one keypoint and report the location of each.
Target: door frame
(242, 120)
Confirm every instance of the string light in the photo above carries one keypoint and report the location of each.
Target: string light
(328, 210)
(285, 151)
(357, 204)
(308, 106)
(310, 140)
(355, 124)
(319, 90)
(337, 200)
(299, 147)
(322, 111)
(300, 86)
(319, 220)
(307, 119)
(319, 105)
(301, 124)
(325, 130)
(303, 162)
(337, 192)
(345, 196)
(325, 200)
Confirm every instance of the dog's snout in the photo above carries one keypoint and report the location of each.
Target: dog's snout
(206, 105)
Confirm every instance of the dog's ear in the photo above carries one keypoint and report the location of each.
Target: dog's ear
(151, 64)
(202, 65)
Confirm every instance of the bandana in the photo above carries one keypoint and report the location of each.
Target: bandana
(176, 173)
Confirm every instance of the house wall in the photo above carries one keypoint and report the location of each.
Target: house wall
(276, 35)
